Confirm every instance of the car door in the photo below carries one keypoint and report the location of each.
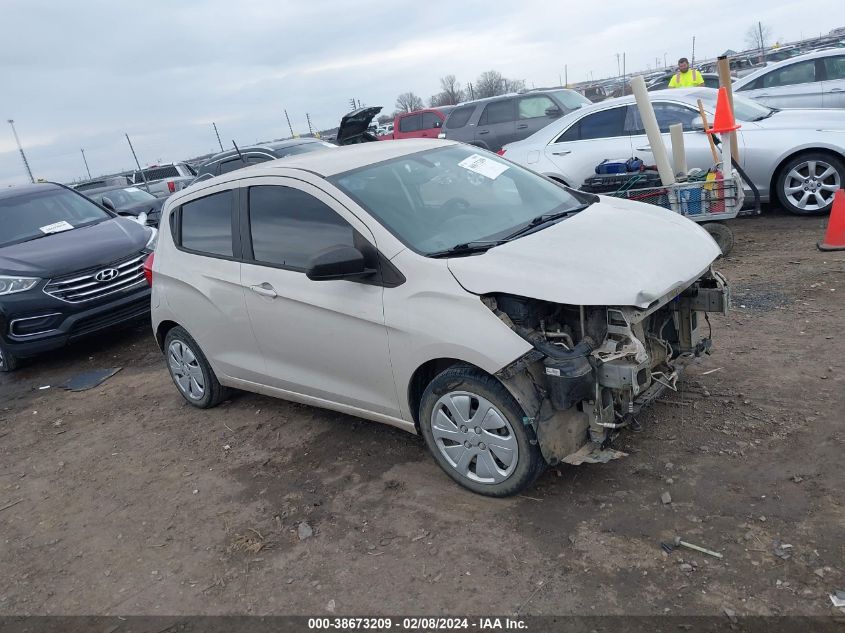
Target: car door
(430, 125)
(792, 86)
(833, 85)
(497, 124)
(321, 339)
(593, 138)
(202, 282)
(409, 126)
(532, 114)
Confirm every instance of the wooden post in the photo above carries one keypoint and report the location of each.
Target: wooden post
(709, 136)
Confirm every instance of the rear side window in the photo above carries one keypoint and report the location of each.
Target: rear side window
(670, 113)
(206, 224)
(409, 123)
(604, 124)
(430, 120)
(497, 112)
(834, 67)
(459, 117)
(288, 226)
(800, 73)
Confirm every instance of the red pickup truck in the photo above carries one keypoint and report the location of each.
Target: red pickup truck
(419, 124)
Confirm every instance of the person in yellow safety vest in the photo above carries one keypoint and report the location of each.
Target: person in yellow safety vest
(686, 77)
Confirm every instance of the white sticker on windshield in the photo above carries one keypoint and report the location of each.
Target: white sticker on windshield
(56, 227)
(132, 189)
(484, 166)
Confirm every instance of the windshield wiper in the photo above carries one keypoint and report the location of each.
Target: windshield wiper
(545, 218)
(467, 248)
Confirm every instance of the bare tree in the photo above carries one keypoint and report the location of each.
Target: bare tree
(408, 102)
(491, 83)
(758, 36)
(450, 93)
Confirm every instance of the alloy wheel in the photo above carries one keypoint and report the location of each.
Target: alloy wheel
(185, 370)
(474, 437)
(810, 185)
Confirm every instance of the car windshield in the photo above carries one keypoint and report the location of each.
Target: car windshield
(744, 109)
(41, 213)
(441, 198)
(124, 197)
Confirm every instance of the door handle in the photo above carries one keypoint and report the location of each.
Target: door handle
(647, 148)
(265, 290)
(562, 152)
(484, 131)
(525, 125)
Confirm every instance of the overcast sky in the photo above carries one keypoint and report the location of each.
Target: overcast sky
(80, 74)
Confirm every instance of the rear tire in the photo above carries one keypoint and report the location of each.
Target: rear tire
(806, 183)
(191, 373)
(8, 362)
(474, 429)
(722, 234)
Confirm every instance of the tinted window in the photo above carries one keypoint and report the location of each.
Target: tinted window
(604, 124)
(834, 67)
(157, 173)
(534, 107)
(207, 224)
(497, 112)
(409, 123)
(459, 117)
(289, 226)
(800, 73)
(231, 165)
(669, 113)
(430, 120)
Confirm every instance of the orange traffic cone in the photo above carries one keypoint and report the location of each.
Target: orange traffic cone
(723, 120)
(834, 238)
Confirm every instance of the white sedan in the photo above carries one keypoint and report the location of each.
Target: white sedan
(795, 156)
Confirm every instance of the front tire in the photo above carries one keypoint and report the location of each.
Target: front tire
(8, 362)
(474, 429)
(806, 183)
(190, 370)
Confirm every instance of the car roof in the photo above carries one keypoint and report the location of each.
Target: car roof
(325, 164)
(787, 62)
(22, 190)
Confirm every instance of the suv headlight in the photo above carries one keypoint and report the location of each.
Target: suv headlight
(11, 285)
(151, 243)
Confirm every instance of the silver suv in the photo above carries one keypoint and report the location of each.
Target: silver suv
(496, 121)
(437, 288)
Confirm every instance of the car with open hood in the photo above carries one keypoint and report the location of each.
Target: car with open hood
(68, 269)
(436, 287)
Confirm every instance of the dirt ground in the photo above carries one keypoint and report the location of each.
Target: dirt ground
(132, 502)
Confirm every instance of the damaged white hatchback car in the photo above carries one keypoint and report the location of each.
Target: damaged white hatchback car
(438, 288)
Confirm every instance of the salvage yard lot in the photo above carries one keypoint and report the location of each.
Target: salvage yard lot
(133, 502)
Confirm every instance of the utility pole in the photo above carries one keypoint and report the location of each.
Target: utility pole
(692, 60)
(665, 65)
(762, 46)
(352, 104)
(20, 149)
(141, 171)
(566, 74)
(624, 73)
(618, 66)
(86, 163)
(310, 129)
(219, 142)
(289, 125)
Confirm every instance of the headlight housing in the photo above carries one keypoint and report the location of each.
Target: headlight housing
(151, 243)
(11, 285)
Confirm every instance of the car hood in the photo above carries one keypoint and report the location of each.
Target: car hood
(69, 251)
(614, 253)
(804, 118)
(354, 124)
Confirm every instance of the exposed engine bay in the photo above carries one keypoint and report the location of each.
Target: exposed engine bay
(593, 368)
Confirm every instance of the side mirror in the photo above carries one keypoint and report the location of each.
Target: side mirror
(438, 123)
(553, 111)
(338, 262)
(697, 124)
(108, 204)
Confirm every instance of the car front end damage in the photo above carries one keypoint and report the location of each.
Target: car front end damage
(593, 368)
